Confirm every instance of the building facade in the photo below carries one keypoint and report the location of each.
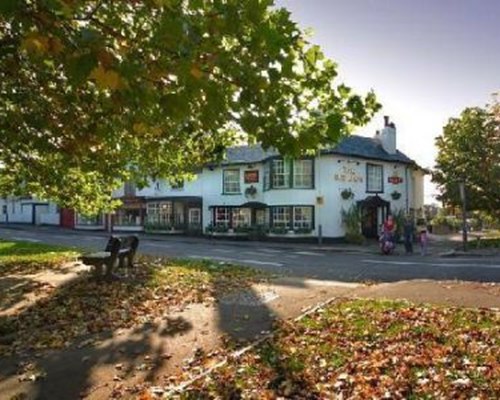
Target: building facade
(255, 192)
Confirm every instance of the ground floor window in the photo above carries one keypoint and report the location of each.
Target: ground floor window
(241, 217)
(89, 220)
(293, 217)
(222, 216)
(302, 218)
(160, 213)
(281, 217)
(128, 217)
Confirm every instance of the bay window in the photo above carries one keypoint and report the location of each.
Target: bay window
(280, 178)
(303, 174)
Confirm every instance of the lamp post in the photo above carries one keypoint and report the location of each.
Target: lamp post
(461, 187)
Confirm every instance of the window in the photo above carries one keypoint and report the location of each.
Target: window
(280, 174)
(281, 217)
(222, 216)
(128, 217)
(374, 178)
(303, 174)
(89, 220)
(241, 217)
(160, 213)
(302, 218)
(231, 181)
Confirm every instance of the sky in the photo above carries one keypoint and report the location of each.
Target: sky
(426, 60)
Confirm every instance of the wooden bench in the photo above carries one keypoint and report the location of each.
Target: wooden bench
(119, 252)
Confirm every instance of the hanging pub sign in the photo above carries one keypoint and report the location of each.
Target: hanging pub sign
(395, 180)
(251, 176)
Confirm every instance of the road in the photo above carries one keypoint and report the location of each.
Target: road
(301, 260)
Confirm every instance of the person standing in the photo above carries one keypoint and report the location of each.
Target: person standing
(408, 229)
(424, 239)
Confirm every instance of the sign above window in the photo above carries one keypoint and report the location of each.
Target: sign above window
(251, 176)
(395, 180)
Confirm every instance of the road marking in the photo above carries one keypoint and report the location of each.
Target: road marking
(492, 266)
(163, 246)
(236, 260)
(223, 250)
(264, 250)
(26, 239)
(263, 263)
(308, 253)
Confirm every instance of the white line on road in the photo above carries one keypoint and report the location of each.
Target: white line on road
(27, 239)
(262, 262)
(223, 250)
(163, 246)
(235, 260)
(308, 253)
(264, 250)
(432, 264)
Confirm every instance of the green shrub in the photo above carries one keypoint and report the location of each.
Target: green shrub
(351, 219)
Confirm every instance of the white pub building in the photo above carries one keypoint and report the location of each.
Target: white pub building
(258, 193)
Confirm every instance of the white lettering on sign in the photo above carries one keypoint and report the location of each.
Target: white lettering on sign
(348, 174)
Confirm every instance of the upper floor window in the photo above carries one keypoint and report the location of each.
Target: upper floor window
(231, 181)
(280, 174)
(374, 178)
(303, 174)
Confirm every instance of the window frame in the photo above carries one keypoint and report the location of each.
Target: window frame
(285, 174)
(311, 222)
(370, 166)
(302, 175)
(224, 191)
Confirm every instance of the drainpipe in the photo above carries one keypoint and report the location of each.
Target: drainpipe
(407, 186)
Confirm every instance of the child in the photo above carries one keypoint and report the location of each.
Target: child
(423, 241)
(408, 234)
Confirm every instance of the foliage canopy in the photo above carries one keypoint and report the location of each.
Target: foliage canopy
(98, 92)
(469, 150)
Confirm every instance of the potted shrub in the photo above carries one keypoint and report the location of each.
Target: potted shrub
(347, 194)
(396, 195)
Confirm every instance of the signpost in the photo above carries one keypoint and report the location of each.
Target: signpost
(461, 187)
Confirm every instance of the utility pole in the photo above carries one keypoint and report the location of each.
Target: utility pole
(461, 187)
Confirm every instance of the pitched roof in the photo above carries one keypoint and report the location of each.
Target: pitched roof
(353, 146)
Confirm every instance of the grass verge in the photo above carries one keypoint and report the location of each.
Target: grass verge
(368, 349)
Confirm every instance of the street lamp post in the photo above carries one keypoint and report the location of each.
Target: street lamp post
(461, 187)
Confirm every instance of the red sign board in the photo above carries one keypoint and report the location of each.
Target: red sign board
(395, 180)
(252, 176)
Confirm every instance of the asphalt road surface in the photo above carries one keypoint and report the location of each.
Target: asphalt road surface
(296, 260)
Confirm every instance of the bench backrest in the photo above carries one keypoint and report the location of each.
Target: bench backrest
(129, 242)
(113, 245)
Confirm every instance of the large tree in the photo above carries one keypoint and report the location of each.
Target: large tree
(96, 92)
(469, 151)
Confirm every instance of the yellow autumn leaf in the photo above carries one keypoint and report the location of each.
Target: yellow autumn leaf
(196, 72)
(106, 79)
(35, 43)
(139, 127)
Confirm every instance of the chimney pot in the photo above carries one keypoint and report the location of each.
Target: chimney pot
(386, 120)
